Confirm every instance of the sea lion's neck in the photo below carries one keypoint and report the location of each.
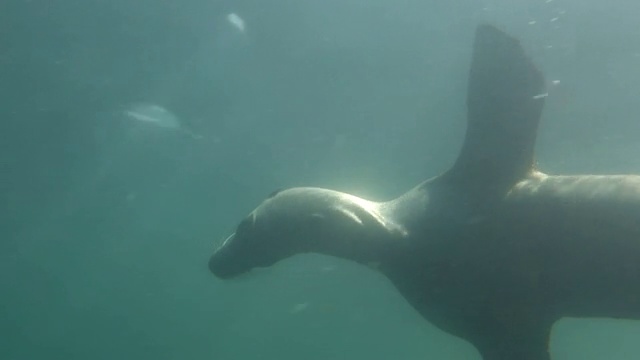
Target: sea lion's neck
(355, 229)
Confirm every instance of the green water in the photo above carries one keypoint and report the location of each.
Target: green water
(107, 224)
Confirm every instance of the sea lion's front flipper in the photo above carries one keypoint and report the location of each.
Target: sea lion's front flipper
(504, 100)
(520, 341)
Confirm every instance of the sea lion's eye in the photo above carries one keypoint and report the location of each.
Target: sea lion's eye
(243, 226)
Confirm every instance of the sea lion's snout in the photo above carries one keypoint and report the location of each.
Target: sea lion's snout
(223, 264)
(214, 266)
(238, 255)
(218, 268)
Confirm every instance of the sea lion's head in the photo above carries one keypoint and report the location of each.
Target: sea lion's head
(294, 221)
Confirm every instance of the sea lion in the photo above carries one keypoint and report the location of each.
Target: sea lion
(492, 251)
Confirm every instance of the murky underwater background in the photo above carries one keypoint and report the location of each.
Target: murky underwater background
(135, 134)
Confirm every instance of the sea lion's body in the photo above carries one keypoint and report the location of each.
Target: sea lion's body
(553, 247)
(492, 251)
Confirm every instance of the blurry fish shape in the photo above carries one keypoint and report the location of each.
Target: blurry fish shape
(236, 21)
(156, 115)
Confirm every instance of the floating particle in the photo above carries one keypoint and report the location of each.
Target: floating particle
(153, 114)
(540, 96)
(236, 21)
(157, 115)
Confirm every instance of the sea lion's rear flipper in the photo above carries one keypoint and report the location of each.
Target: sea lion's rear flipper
(504, 100)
